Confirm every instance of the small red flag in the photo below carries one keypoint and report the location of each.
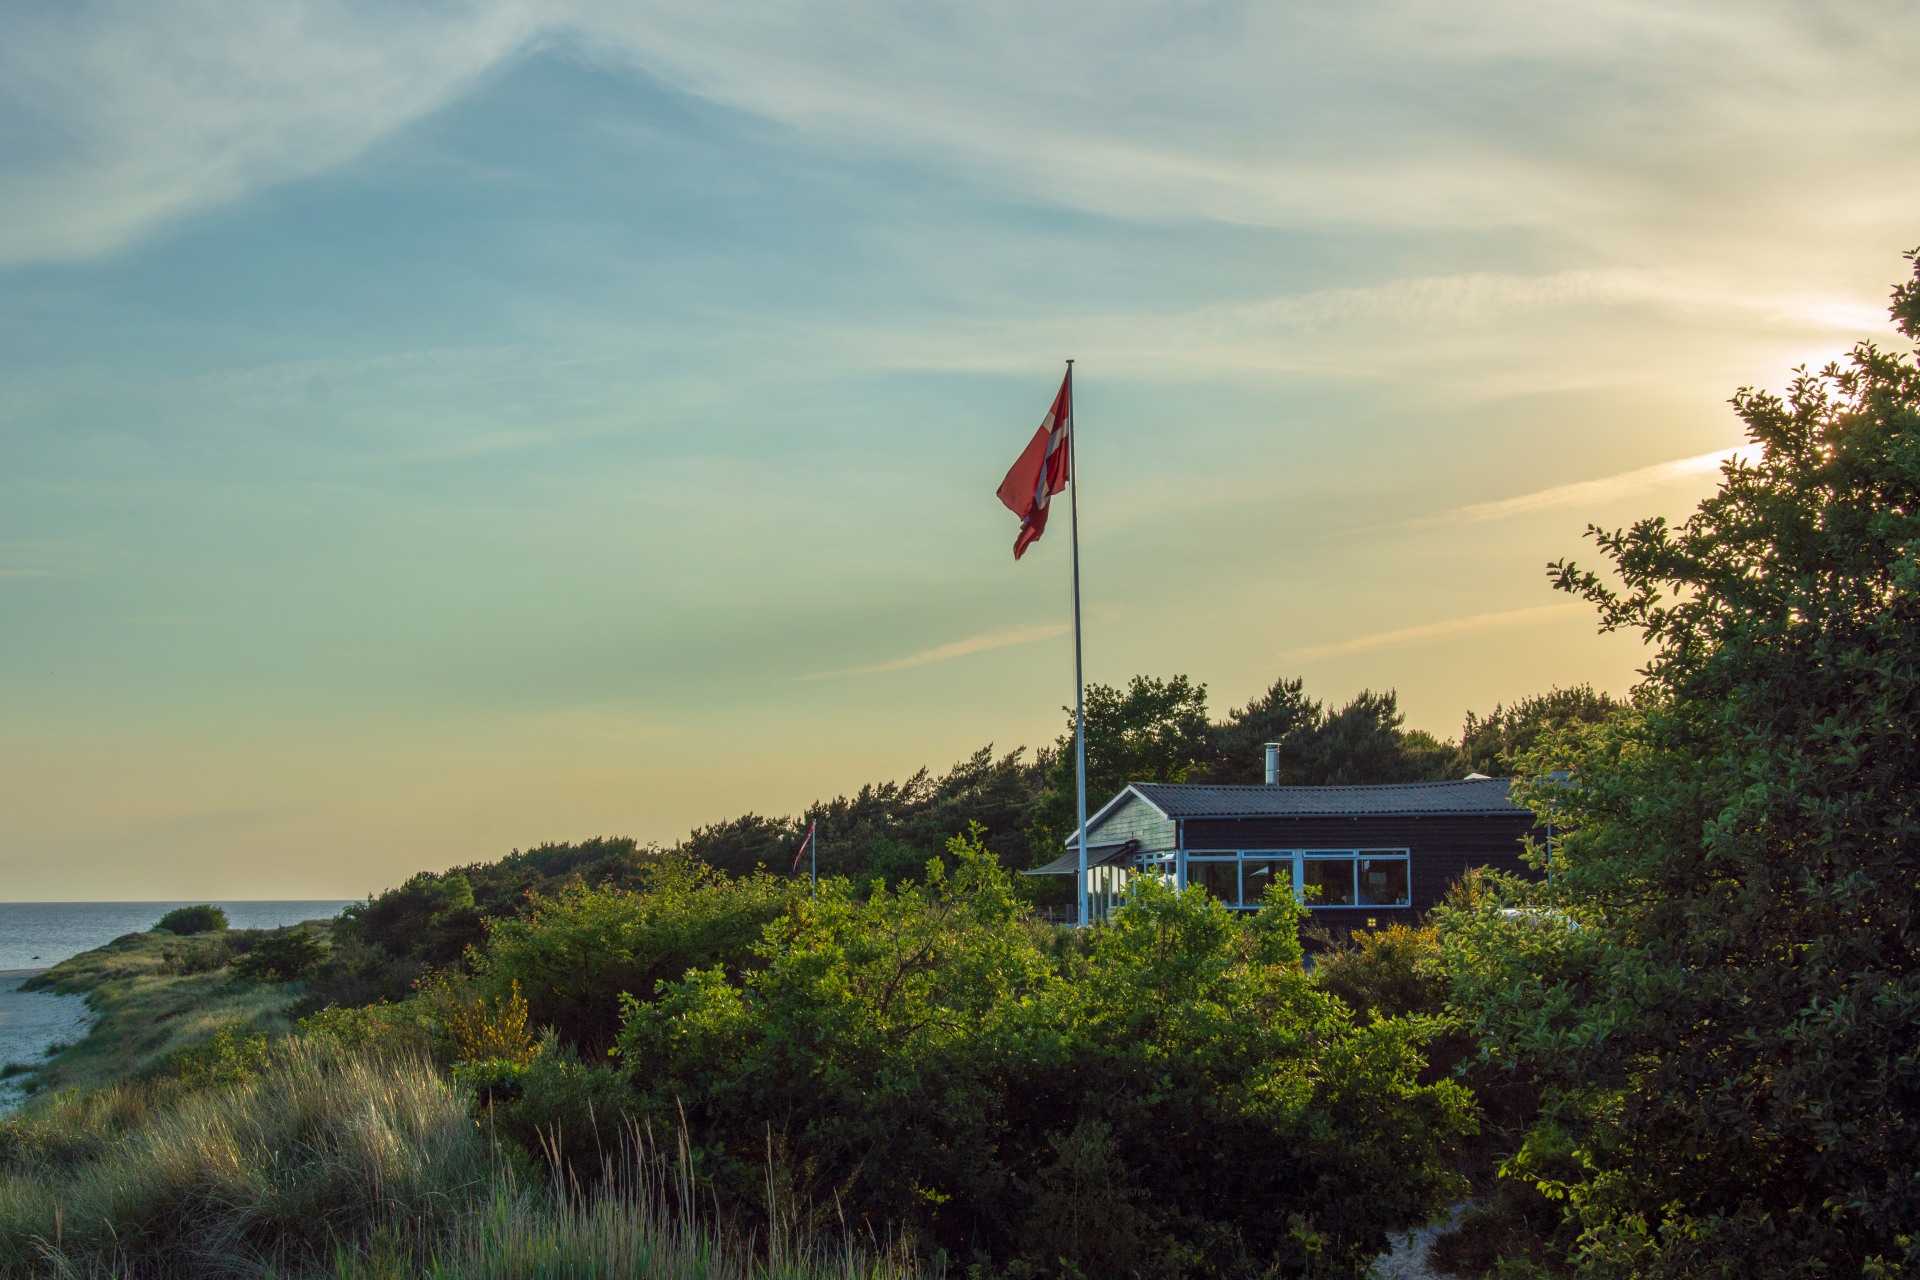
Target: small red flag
(1041, 470)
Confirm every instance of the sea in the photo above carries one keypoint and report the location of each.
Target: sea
(39, 935)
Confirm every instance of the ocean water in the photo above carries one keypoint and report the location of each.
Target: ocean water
(37, 935)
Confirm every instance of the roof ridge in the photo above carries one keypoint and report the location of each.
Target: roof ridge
(1319, 786)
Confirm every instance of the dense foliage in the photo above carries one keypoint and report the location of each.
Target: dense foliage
(280, 955)
(1720, 988)
(1169, 1095)
(578, 954)
(182, 921)
(1158, 731)
(1507, 739)
(1151, 730)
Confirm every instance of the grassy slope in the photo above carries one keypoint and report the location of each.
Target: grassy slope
(141, 1013)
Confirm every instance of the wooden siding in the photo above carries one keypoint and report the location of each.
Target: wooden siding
(1441, 849)
(1136, 820)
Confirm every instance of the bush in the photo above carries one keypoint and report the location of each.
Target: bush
(579, 953)
(285, 955)
(1137, 1106)
(1391, 971)
(398, 1030)
(187, 920)
(203, 955)
(558, 1108)
(481, 1028)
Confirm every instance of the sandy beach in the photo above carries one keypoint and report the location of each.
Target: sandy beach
(29, 1022)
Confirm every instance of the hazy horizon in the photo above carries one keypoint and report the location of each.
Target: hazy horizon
(432, 430)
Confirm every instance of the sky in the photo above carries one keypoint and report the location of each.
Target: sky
(429, 429)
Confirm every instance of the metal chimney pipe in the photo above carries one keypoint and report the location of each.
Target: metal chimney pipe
(1273, 764)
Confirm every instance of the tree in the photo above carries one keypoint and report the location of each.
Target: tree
(1151, 731)
(1362, 742)
(1719, 990)
(1496, 743)
(1283, 714)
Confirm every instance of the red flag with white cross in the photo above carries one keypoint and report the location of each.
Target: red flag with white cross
(1041, 471)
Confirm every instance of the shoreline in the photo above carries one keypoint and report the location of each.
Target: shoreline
(31, 1023)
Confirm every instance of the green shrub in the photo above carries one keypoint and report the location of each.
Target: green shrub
(186, 920)
(225, 1057)
(1178, 1088)
(561, 1109)
(402, 1030)
(578, 954)
(202, 955)
(285, 955)
(1391, 971)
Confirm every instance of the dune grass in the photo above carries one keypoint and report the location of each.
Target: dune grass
(332, 1163)
(255, 1178)
(146, 1009)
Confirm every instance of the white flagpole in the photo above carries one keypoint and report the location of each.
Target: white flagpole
(1079, 680)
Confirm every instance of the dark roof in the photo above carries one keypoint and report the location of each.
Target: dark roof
(1402, 799)
(1098, 855)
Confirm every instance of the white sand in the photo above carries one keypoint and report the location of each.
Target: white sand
(29, 1022)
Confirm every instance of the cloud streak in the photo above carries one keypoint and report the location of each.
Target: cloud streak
(1606, 489)
(1000, 639)
(1478, 624)
(1582, 493)
(136, 112)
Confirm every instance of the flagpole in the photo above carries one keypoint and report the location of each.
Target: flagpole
(1079, 679)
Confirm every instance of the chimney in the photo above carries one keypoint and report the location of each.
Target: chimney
(1273, 764)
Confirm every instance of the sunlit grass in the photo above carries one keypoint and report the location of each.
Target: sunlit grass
(143, 1013)
(355, 1166)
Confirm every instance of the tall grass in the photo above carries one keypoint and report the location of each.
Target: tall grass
(359, 1167)
(640, 1219)
(267, 1175)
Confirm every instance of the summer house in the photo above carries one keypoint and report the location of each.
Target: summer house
(1356, 855)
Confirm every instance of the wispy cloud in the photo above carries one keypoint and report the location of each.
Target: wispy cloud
(134, 112)
(1607, 488)
(1582, 493)
(1452, 629)
(999, 639)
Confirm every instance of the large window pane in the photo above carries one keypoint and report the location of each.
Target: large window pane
(1258, 874)
(1383, 882)
(1328, 881)
(1221, 879)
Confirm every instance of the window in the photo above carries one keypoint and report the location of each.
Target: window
(1383, 879)
(1350, 878)
(1327, 880)
(1260, 872)
(1218, 876)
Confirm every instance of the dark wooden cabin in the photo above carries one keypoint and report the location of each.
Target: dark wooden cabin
(1362, 856)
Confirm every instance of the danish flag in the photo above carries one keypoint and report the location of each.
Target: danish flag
(1041, 471)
